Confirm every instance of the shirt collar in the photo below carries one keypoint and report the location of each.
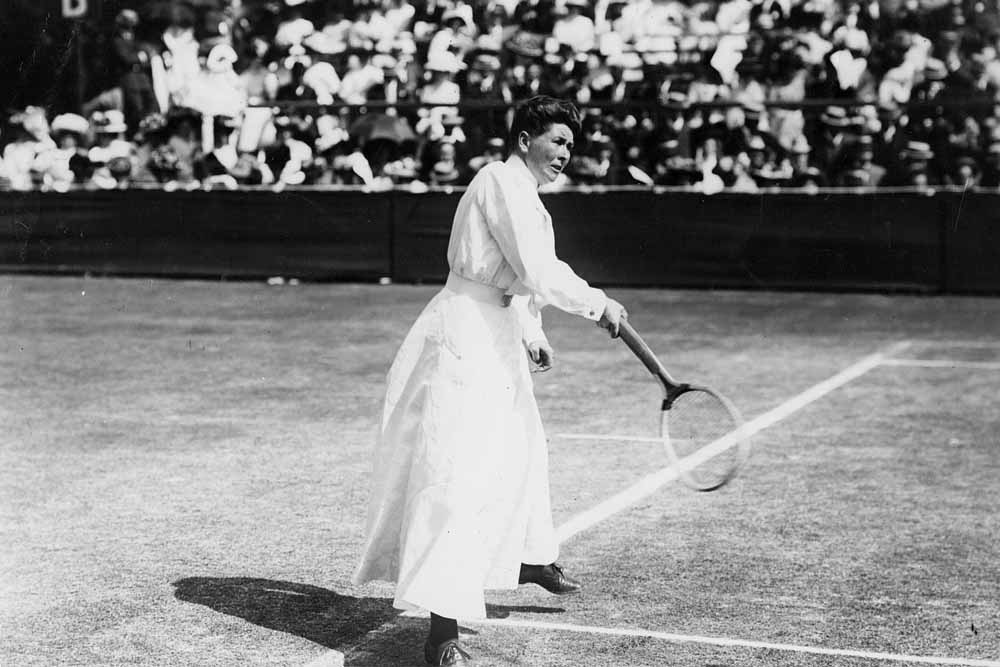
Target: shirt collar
(519, 167)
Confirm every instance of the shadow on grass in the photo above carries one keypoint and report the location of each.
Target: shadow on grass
(320, 615)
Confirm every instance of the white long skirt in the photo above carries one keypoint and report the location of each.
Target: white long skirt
(460, 492)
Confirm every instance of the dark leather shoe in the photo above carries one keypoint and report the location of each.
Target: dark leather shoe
(448, 652)
(549, 577)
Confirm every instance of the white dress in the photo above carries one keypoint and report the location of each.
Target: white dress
(460, 493)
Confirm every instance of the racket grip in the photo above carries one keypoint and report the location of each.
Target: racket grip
(641, 350)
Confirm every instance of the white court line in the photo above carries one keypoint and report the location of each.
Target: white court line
(742, 643)
(943, 363)
(968, 344)
(651, 483)
(588, 436)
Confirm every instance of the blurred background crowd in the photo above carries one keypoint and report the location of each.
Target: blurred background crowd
(710, 94)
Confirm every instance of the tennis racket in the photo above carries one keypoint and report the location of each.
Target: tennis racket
(702, 431)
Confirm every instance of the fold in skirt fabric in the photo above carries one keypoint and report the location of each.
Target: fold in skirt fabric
(460, 494)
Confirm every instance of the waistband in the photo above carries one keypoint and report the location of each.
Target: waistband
(494, 296)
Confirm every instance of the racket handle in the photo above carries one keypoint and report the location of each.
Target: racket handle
(641, 350)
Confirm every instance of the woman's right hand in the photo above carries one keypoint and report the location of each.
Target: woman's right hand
(614, 313)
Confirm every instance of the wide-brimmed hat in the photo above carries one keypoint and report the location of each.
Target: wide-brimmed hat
(834, 116)
(462, 12)
(70, 123)
(111, 121)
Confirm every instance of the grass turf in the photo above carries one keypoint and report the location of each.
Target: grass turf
(184, 470)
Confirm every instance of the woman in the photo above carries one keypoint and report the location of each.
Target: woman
(460, 496)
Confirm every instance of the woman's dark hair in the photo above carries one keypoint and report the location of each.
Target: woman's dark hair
(537, 114)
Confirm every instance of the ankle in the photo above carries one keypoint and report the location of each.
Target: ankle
(442, 629)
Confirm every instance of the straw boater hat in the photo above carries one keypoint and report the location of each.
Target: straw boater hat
(917, 151)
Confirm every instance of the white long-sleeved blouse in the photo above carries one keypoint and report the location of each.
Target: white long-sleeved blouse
(502, 236)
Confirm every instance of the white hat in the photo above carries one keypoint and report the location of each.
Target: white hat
(111, 121)
(463, 12)
(70, 122)
(221, 58)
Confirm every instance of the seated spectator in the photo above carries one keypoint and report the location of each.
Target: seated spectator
(441, 87)
(456, 36)
(30, 132)
(216, 167)
(67, 163)
(111, 154)
(575, 29)
(360, 77)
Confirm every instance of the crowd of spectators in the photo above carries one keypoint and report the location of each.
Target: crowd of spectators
(711, 94)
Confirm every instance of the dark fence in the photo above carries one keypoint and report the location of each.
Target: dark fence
(885, 241)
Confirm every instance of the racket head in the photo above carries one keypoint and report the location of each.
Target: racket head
(703, 435)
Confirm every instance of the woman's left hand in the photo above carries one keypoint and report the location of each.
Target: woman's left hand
(541, 355)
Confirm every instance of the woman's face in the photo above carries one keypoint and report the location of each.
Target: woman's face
(547, 154)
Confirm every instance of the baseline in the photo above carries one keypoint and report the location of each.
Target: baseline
(741, 643)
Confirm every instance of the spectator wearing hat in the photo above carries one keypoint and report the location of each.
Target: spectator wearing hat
(836, 128)
(30, 130)
(132, 66)
(964, 172)
(216, 167)
(484, 82)
(804, 173)
(359, 78)
(288, 156)
(181, 67)
(445, 170)
(177, 156)
(441, 88)
(457, 33)
(860, 169)
(762, 167)
(575, 29)
(914, 164)
(67, 162)
(111, 153)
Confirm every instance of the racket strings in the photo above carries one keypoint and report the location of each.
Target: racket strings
(695, 421)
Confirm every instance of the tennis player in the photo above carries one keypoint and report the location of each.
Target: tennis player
(460, 490)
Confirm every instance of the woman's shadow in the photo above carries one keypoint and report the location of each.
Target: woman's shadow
(322, 616)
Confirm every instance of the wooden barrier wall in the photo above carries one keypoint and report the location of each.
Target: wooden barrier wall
(943, 242)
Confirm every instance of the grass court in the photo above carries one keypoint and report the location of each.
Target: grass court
(184, 467)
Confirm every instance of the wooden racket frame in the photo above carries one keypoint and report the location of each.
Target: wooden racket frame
(671, 390)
